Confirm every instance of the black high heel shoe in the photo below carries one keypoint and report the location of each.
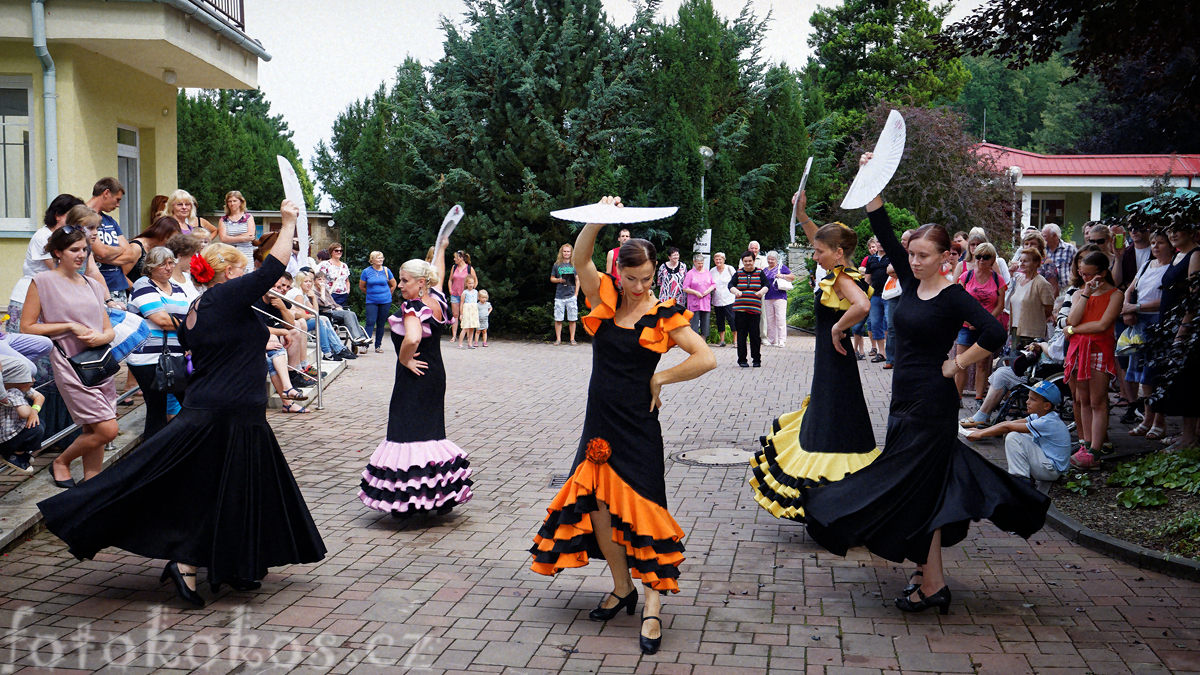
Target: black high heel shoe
(941, 600)
(171, 571)
(912, 586)
(650, 645)
(629, 602)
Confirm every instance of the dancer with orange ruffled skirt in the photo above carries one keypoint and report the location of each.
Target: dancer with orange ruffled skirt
(615, 504)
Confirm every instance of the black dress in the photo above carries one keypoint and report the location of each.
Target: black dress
(619, 460)
(1178, 381)
(830, 435)
(926, 478)
(212, 487)
(415, 468)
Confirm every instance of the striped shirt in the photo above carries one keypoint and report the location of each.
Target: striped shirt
(146, 299)
(748, 283)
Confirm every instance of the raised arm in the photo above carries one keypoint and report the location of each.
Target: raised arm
(800, 204)
(881, 225)
(581, 258)
(281, 249)
(439, 263)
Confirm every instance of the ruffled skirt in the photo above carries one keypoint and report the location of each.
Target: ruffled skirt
(783, 471)
(211, 489)
(653, 541)
(405, 478)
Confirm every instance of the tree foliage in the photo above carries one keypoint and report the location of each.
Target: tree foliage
(543, 105)
(228, 140)
(1036, 108)
(1142, 51)
(941, 178)
(870, 50)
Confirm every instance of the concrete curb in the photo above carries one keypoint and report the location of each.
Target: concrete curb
(1139, 556)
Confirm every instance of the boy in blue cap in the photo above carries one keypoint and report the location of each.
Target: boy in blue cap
(1037, 447)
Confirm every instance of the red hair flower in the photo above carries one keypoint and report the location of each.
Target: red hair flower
(598, 451)
(201, 270)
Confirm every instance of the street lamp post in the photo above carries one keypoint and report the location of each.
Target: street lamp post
(1014, 176)
(703, 243)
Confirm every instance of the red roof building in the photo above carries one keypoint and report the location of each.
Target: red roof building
(1070, 190)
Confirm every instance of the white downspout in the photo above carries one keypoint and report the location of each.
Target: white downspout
(49, 97)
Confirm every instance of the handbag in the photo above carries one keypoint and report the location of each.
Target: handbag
(783, 284)
(93, 366)
(171, 371)
(891, 289)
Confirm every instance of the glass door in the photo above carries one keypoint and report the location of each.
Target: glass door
(127, 173)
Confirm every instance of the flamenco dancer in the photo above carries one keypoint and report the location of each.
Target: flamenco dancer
(212, 488)
(615, 502)
(926, 487)
(416, 469)
(830, 435)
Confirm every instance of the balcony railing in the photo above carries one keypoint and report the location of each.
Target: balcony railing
(233, 11)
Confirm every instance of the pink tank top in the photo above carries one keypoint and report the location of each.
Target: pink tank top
(458, 280)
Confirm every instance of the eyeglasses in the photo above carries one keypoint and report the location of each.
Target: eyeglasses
(1098, 242)
(984, 257)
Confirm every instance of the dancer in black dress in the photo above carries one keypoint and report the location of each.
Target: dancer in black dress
(615, 502)
(416, 469)
(926, 487)
(830, 435)
(212, 488)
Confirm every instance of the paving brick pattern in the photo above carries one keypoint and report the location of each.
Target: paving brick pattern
(454, 594)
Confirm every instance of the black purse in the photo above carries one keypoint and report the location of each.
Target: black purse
(170, 375)
(93, 366)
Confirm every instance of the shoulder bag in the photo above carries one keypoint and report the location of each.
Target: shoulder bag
(93, 366)
(171, 371)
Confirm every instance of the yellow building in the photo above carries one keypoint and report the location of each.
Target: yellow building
(95, 81)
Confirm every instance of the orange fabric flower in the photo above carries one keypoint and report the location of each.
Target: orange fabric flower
(598, 450)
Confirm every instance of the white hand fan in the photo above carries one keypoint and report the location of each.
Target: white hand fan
(607, 214)
(874, 176)
(803, 182)
(450, 222)
(292, 191)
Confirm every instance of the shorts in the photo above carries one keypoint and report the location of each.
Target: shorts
(966, 336)
(173, 406)
(455, 299)
(568, 307)
(272, 354)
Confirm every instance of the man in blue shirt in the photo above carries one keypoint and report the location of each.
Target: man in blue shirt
(112, 249)
(1039, 446)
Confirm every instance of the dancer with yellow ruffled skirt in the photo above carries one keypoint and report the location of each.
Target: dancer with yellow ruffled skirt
(830, 435)
(614, 504)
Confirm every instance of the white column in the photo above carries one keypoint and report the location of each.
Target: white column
(1026, 207)
(1095, 215)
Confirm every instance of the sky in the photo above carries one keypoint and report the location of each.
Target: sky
(326, 55)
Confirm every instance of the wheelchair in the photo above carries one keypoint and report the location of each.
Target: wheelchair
(1012, 407)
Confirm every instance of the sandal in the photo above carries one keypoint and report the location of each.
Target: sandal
(294, 408)
(1156, 434)
(1140, 430)
(290, 396)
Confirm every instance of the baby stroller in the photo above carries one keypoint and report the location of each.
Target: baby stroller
(1032, 368)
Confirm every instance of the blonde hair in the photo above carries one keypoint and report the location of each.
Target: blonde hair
(221, 257)
(419, 269)
(302, 277)
(561, 259)
(234, 193)
(483, 293)
(984, 248)
(1036, 237)
(375, 253)
(1033, 254)
(179, 196)
(82, 215)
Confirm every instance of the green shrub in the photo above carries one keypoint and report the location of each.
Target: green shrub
(1187, 529)
(800, 305)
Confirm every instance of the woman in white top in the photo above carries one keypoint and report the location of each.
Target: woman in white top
(337, 274)
(1142, 300)
(237, 227)
(184, 246)
(722, 297)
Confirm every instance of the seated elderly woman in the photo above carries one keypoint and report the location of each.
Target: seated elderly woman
(304, 295)
(338, 315)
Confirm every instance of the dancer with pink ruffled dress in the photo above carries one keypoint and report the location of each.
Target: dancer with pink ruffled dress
(416, 469)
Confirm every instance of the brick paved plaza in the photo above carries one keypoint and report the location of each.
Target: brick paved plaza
(455, 594)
